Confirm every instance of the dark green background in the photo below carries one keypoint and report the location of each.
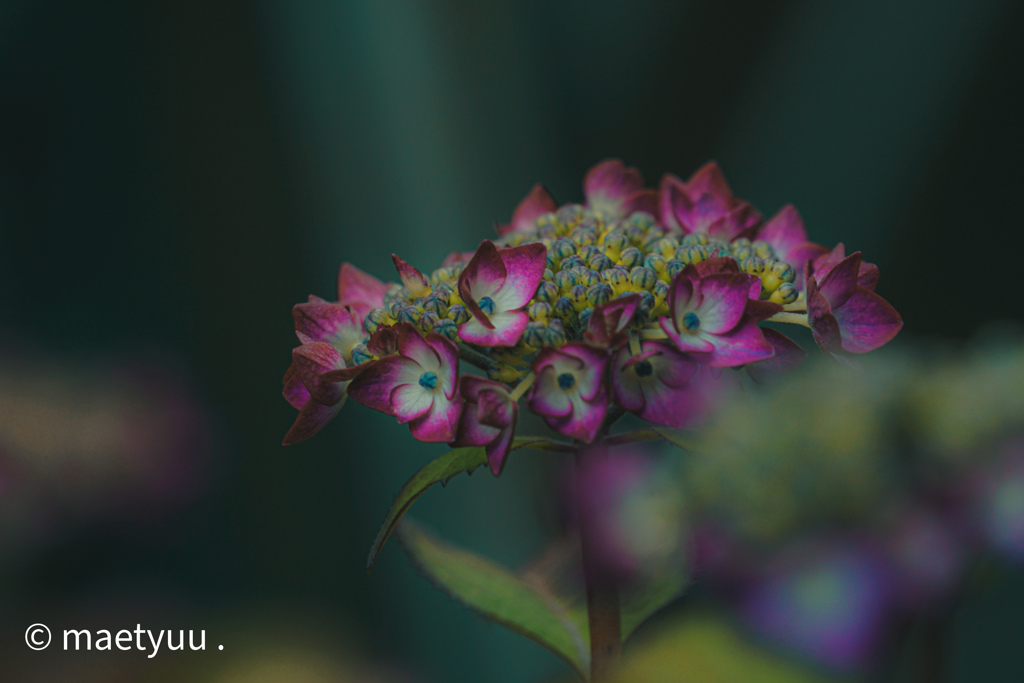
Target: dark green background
(177, 175)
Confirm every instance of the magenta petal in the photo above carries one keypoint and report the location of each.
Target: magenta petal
(609, 184)
(320, 321)
(609, 321)
(819, 316)
(784, 231)
(524, 267)
(546, 398)
(497, 450)
(866, 321)
(841, 281)
(594, 361)
(585, 419)
(448, 353)
(362, 291)
(440, 424)
(483, 276)
(295, 392)
(508, 328)
(680, 295)
(413, 279)
(788, 355)
(626, 386)
(411, 344)
(709, 179)
(374, 386)
(744, 344)
(409, 401)
(311, 361)
(537, 203)
(867, 276)
(673, 202)
(312, 418)
(723, 301)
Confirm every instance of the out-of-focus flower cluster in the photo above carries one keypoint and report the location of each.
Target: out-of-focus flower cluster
(631, 301)
(85, 441)
(827, 517)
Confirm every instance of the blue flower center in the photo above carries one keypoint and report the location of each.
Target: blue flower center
(644, 368)
(566, 381)
(429, 381)
(691, 322)
(487, 305)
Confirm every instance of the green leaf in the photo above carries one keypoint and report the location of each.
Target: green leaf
(437, 471)
(542, 443)
(677, 437)
(498, 594)
(556, 572)
(441, 470)
(640, 602)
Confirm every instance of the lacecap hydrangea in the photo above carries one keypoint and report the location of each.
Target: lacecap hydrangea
(618, 304)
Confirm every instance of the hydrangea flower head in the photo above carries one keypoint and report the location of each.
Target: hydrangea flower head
(587, 310)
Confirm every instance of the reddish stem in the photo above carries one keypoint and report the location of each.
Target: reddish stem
(603, 612)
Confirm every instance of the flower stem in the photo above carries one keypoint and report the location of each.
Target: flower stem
(523, 385)
(795, 318)
(603, 612)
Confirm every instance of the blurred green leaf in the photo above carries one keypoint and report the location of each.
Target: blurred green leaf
(639, 603)
(498, 594)
(707, 649)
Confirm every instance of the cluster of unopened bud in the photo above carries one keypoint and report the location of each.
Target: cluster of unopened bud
(590, 261)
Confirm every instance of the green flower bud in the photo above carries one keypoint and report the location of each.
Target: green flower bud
(540, 310)
(590, 277)
(643, 277)
(631, 257)
(458, 313)
(547, 291)
(565, 279)
(599, 293)
(447, 328)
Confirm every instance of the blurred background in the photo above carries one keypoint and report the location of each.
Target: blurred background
(175, 176)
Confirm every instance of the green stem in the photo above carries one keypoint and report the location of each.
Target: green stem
(786, 317)
(603, 611)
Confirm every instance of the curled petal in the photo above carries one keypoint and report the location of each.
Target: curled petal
(412, 345)
(609, 322)
(866, 321)
(373, 387)
(440, 424)
(413, 279)
(524, 268)
(311, 362)
(723, 302)
(585, 419)
(312, 418)
(482, 277)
